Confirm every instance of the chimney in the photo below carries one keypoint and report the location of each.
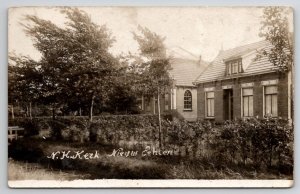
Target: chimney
(200, 58)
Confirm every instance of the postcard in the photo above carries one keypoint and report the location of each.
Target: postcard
(150, 97)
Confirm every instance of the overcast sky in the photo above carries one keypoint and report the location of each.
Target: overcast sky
(199, 30)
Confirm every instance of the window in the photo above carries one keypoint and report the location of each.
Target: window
(247, 104)
(147, 104)
(187, 104)
(271, 101)
(210, 104)
(166, 101)
(234, 67)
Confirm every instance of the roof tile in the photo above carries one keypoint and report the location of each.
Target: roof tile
(185, 71)
(216, 70)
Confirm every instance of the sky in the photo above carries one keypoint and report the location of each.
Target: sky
(200, 31)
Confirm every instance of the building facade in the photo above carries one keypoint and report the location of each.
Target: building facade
(182, 96)
(238, 84)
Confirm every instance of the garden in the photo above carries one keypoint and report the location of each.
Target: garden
(240, 149)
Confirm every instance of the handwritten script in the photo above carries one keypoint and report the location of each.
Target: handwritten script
(148, 151)
(80, 154)
(119, 152)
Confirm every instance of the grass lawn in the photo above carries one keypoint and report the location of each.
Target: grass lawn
(32, 171)
(30, 162)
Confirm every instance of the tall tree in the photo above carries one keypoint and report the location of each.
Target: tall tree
(275, 29)
(75, 60)
(153, 71)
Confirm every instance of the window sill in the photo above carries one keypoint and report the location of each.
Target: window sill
(275, 117)
(187, 110)
(209, 117)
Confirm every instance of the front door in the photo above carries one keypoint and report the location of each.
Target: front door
(228, 104)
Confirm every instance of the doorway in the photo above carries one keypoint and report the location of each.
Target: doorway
(228, 104)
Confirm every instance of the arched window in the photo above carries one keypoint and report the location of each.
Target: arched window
(187, 100)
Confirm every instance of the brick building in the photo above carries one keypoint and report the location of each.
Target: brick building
(237, 84)
(182, 97)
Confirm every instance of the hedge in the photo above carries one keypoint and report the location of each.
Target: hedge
(260, 143)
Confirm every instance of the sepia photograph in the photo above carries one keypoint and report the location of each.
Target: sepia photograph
(165, 97)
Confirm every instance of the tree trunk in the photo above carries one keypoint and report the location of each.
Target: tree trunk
(35, 110)
(27, 111)
(79, 111)
(53, 112)
(91, 108)
(30, 110)
(159, 119)
(12, 112)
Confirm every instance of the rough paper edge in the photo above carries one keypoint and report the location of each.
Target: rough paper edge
(174, 183)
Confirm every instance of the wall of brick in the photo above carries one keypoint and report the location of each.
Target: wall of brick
(201, 102)
(219, 114)
(258, 95)
(258, 99)
(237, 103)
(283, 96)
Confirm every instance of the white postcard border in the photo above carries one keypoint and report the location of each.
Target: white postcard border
(156, 183)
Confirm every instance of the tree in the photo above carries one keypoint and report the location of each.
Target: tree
(153, 69)
(98, 69)
(75, 63)
(275, 29)
(20, 88)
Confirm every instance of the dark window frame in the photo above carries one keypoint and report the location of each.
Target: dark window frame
(187, 100)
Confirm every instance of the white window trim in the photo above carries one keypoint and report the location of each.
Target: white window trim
(205, 104)
(227, 87)
(269, 82)
(247, 85)
(242, 102)
(264, 108)
(174, 98)
(171, 98)
(211, 89)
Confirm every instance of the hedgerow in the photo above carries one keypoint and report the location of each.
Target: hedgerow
(260, 143)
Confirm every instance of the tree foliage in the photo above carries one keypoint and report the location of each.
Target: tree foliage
(153, 66)
(275, 29)
(76, 69)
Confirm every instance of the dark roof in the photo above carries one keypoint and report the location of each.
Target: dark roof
(185, 71)
(216, 69)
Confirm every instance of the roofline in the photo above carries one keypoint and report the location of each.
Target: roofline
(221, 51)
(247, 75)
(209, 64)
(190, 86)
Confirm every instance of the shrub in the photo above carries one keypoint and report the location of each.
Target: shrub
(262, 142)
(75, 133)
(259, 143)
(56, 128)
